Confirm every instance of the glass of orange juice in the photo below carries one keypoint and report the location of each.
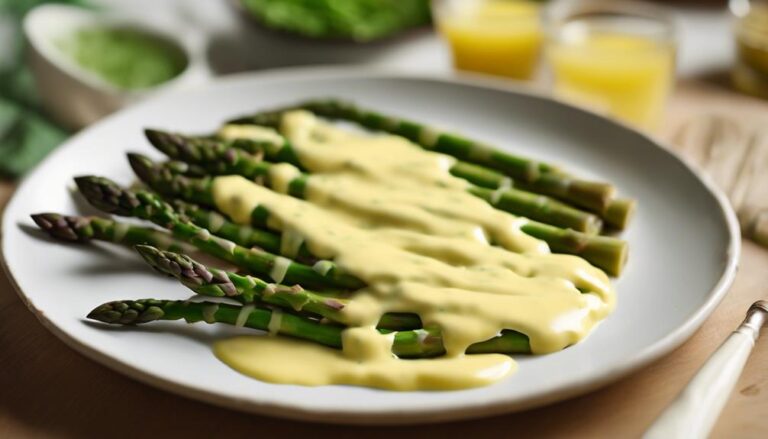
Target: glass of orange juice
(613, 56)
(496, 37)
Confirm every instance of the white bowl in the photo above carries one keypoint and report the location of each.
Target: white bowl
(76, 97)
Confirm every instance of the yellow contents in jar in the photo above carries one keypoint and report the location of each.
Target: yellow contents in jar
(751, 71)
(624, 75)
(496, 37)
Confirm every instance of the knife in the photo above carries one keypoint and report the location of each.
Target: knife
(694, 412)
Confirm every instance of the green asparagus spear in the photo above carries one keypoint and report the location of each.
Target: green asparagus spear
(607, 253)
(245, 236)
(209, 281)
(538, 177)
(111, 198)
(202, 280)
(221, 158)
(220, 226)
(420, 343)
(184, 168)
(464, 149)
(617, 213)
(199, 148)
(83, 229)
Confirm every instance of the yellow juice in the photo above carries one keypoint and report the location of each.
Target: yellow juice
(624, 75)
(497, 37)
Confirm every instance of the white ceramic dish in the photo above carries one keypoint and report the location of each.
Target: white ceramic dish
(684, 246)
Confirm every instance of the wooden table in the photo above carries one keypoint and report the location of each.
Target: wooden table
(47, 389)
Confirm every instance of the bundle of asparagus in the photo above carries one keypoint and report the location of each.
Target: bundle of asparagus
(308, 291)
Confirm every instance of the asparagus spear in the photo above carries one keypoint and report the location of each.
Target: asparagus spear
(83, 229)
(201, 279)
(518, 167)
(245, 236)
(220, 226)
(607, 253)
(617, 212)
(221, 158)
(208, 281)
(111, 198)
(418, 343)
(178, 145)
(538, 177)
(184, 168)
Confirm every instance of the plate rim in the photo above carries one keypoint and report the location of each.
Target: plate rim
(396, 417)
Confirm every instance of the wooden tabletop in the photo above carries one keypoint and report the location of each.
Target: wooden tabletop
(49, 390)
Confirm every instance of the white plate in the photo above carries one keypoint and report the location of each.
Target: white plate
(684, 246)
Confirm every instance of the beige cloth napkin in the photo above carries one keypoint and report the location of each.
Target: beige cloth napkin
(735, 154)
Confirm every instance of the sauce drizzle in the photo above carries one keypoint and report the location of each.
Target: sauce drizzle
(391, 214)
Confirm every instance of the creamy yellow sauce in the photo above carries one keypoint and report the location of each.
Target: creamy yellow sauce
(391, 214)
(289, 361)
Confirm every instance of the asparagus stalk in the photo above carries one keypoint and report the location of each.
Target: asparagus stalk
(84, 229)
(111, 198)
(245, 236)
(209, 281)
(464, 149)
(214, 282)
(538, 177)
(184, 168)
(199, 278)
(220, 226)
(617, 213)
(607, 253)
(420, 343)
(539, 208)
(221, 159)
(198, 148)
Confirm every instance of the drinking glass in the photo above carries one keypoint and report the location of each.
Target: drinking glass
(615, 57)
(496, 37)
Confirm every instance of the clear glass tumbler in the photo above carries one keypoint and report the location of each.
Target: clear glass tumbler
(615, 57)
(496, 37)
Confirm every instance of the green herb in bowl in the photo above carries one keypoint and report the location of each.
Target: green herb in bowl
(126, 58)
(357, 20)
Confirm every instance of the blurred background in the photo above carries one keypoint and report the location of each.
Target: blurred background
(65, 64)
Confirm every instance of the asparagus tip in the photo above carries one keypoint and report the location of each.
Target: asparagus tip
(61, 226)
(106, 195)
(158, 260)
(84, 181)
(127, 312)
(155, 136)
(188, 271)
(142, 165)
